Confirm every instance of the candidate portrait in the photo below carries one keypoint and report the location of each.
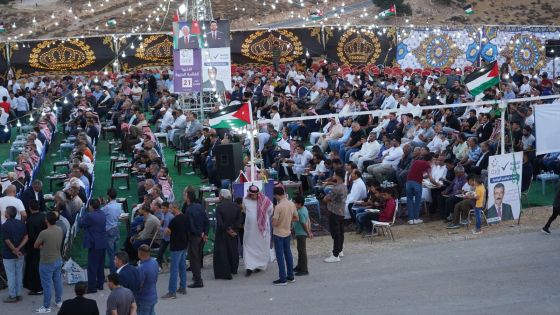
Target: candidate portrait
(499, 208)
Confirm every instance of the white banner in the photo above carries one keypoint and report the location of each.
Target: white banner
(216, 69)
(547, 128)
(504, 187)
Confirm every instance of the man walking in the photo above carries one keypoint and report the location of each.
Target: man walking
(121, 300)
(284, 213)
(95, 240)
(129, 276)
(112, 211)
(197, 227)
(15, 238)
(178, 242)
(146, 298)
(226, 252)
(336, 202)
(50, 265)
(36, 222)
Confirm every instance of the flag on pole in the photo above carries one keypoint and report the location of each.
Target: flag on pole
(482, 79)
(196, 31)
(176, 16)
(112, 22)
(392, 11)
(468, 9)
(231, 117)
(242, 178)
(316, 15)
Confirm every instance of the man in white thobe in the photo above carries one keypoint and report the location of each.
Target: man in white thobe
(370, 149)
(256, 239)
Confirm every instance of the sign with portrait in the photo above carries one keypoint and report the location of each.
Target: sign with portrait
(216, 70)
(361, 47)
(504, 187)
(187, 76)
(145, 51)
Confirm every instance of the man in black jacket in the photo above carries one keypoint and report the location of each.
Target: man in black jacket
(485, 130)
(79, 305)
(35, 192)
(129, 277)
(197, 227)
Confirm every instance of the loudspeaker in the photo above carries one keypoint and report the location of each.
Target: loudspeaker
(552, 48)
(229, 160)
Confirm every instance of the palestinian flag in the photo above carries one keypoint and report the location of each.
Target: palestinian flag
(392, 11)
(316, 15)
(111, 22)
(482, 79)
(231, 117)
(2, 29)
(468, 9)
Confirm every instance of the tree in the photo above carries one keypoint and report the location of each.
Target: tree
(402, 7)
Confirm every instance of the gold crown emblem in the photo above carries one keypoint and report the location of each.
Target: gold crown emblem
(358, 50)
(259, 45)
(154, 49)
(68, 55)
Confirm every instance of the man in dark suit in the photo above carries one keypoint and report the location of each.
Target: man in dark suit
(95, 240)
(484, 132)
(215, 38)
(482, 162)
(500, 209)
(186, 41)
(35, 192)
(79, 305)
(129, 276)
(212, 84)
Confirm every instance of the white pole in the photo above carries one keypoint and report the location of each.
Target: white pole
(503, 107)
(252, 143)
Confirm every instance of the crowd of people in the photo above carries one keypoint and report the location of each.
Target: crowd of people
(353, 162)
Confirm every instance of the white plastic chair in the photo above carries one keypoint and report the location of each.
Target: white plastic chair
(385, 227)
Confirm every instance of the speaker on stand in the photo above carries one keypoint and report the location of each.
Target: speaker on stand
(229, 160)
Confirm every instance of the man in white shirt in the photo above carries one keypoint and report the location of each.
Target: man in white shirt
(300, 160)
(177, 128)
(4, 92)
(370, 149)
(167, 119)
(10, 199)
(389, 102)
(357, 192)
(321, 82)
(439, 142)
(390, 162)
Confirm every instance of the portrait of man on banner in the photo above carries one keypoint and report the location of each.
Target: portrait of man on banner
(217, 34)
(499, 208)
(187, 35)
(504, 186)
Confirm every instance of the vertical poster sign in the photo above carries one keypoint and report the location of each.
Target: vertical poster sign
(216, 69)
(504, 187)
(187, 70)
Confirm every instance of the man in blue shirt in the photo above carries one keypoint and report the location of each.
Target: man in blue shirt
(146, 298)
(112, 211)
(335, 145)
(95, 241)
(167, 216)
(15, 238)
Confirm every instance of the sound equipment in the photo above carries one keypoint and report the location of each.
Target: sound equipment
(229, 160)
(552, 47)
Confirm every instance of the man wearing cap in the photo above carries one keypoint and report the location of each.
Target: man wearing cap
(256, 238)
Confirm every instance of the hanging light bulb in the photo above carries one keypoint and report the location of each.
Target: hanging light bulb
(18, 123)
(307, 53)
(76, 93)
(31, 118)
(6, 128)
(65, 100)
(96, 79)
(55, 107)
(132, 46)
(43, 114)
(105, 72)
(123, 54)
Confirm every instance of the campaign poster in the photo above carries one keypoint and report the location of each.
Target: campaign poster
(216, 34)
(188, 35)
(504, 187)
(216, 69)
(187, 70)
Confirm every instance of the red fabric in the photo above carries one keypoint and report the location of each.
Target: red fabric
(417, 170)
(386, 215)
(5, 106)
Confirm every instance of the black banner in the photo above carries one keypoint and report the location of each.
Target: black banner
(146, 51)
(4, 66)
(257, 46)
(70, 56)
(354, 47)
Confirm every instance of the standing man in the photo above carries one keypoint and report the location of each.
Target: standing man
(197, 229)
(226, 252)
(79, 305)
(284, 213)
(418, 170)
(555, 213)
(121, 300)
(112, 211)
(50, 265)
(256, 236)
(178, 243)
(95, 240)
(35, 192)
(146, 298)
(15, 238)
(36, 222)
(336, 203)
(129, 276)
(10, 199)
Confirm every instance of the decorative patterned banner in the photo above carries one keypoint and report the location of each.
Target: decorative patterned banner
(69, 56)
(256, 46)
(4, 66)
(525, 46)
(420, 48)
(356, 47)
(149, 51)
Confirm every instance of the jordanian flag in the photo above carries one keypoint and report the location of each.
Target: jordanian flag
(231, 117)
(468, 9)
(482, 79)
(392, 11)
(112, 22)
